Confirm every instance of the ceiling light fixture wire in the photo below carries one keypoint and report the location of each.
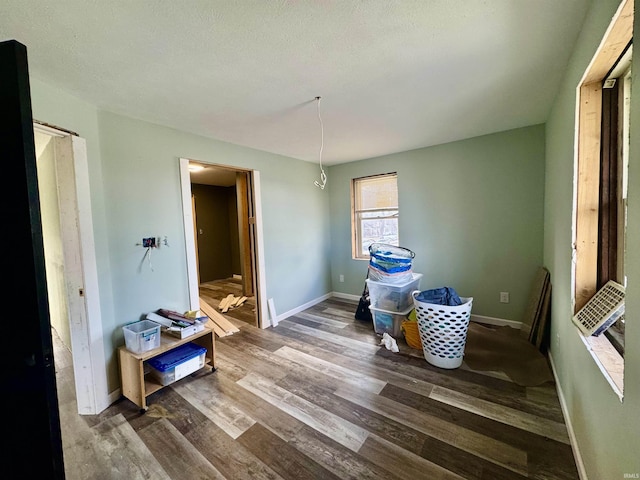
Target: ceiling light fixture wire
(323, 177)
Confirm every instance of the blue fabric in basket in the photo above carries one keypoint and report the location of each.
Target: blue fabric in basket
(440, 296)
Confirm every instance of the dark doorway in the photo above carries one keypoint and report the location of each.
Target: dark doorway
(223, 213)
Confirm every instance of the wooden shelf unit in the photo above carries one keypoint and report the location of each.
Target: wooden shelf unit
(136, 386)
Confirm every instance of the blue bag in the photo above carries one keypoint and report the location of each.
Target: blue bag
(390, 264)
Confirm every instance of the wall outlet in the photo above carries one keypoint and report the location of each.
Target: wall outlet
(504, 297)
(149, 242)
(342, 278)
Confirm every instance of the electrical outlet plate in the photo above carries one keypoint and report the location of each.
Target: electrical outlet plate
(504, 297)
(154, 242)
(149, 242)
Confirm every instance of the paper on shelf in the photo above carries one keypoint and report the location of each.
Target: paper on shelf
(154, 317)
(185, 331)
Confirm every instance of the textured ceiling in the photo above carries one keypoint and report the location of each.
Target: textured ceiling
(393, 75)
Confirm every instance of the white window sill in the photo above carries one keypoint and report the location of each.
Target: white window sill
(609, 361)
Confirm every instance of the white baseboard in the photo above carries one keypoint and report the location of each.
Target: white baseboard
(346, 296)
(567, 420)
(115, 396)
(474, 318)
(273, 316)
(496, 321)
(303, 307)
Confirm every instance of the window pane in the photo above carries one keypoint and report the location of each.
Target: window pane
(377, 192)
(378, 230)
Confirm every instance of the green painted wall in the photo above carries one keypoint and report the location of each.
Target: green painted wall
(135, 192)
(607, 431)
(142, 183)
(472, 211)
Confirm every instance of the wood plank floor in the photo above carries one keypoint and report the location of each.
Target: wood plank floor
(216, 290)
(317, 397)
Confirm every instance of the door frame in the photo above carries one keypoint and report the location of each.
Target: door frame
(190, 241)
(80, 269)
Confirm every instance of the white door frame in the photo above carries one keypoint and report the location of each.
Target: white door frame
(190, 243)
(80, 270)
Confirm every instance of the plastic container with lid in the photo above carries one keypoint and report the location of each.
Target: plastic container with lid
(391, 296)
(141, 336)
(177, 363)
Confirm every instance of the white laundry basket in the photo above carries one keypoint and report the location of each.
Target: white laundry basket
(443, 331)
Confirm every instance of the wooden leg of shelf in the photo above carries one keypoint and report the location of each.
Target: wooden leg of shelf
(132, 379)
(208, 342)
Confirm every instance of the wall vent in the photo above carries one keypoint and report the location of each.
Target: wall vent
(602, 310)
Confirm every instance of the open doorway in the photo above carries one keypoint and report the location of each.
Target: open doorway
(222, 205)
(70, 264)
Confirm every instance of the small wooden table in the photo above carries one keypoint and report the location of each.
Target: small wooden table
(136, 386)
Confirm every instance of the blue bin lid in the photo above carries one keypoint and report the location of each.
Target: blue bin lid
(169, 360)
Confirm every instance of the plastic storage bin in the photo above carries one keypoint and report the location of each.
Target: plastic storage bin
(177, 363)
(386, 321)
(393, 297)
(141, 336)
(443, 331)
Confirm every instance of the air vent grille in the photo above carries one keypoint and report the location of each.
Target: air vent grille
(604, 308)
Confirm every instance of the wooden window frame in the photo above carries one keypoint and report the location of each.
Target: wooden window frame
(356, 220)
(618, 38)
(588, 263)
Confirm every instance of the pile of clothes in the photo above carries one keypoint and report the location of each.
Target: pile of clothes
(440, 296)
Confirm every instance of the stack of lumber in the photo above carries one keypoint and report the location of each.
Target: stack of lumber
(538, 309)
(218, 322)
(230, 302)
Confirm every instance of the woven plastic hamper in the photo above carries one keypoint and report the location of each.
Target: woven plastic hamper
(443, 331)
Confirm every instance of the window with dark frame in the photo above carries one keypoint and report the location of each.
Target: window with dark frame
(374, 205)
(612, 211)
(599, 210)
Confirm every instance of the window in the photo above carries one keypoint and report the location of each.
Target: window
(614, 162)
(601, 183)
(374, 204)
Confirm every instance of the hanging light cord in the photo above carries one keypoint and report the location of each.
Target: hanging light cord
(323, 176)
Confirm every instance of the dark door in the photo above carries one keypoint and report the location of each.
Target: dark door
(32, 446)
(245, 226)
